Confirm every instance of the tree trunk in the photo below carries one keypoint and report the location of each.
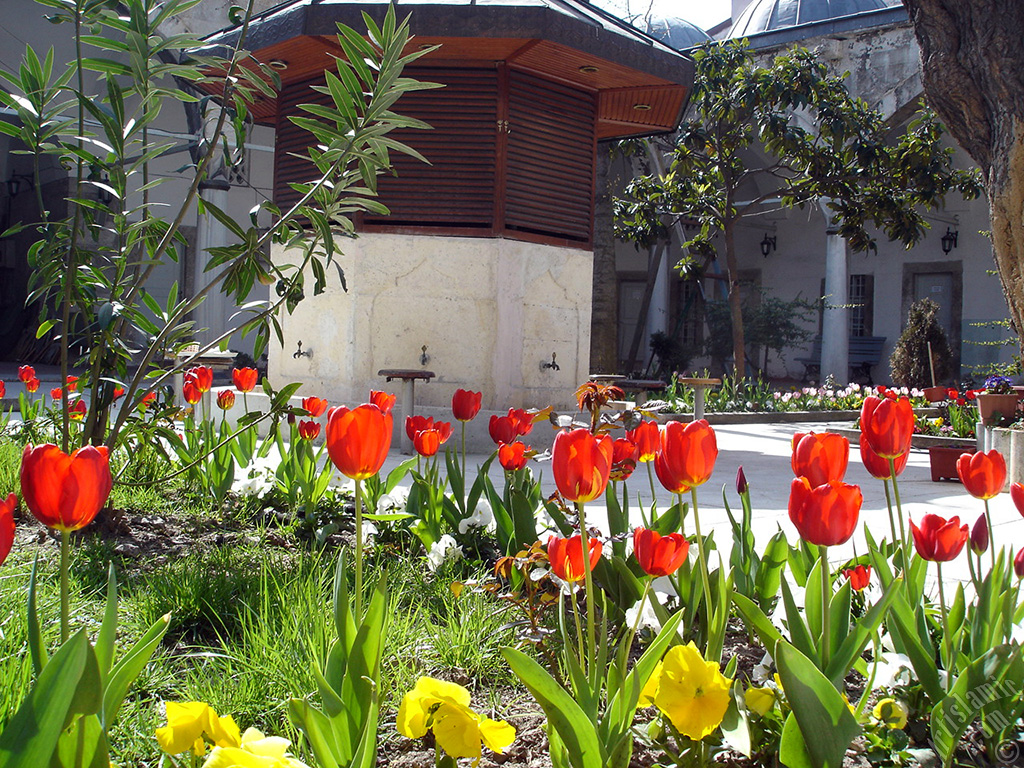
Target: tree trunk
(973, 63)
(735, 303)
(604, 317)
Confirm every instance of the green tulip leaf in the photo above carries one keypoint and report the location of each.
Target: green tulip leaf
(316, 727)
(129, 668)
(825, 720)
(69, 685)
(792, 747)
(83, 745)
(564, 715)
(798, 631)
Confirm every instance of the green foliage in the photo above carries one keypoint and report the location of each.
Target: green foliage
(909, 361)
(96, 116)
(819, 143)
(770, 324)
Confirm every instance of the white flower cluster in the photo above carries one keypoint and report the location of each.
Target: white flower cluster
(443, 549)
(482, 517)
(257, 479)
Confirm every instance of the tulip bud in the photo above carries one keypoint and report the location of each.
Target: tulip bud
(741, 482)
(1018, 564)
(979, 535)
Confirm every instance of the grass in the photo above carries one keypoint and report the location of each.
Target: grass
(250, 623)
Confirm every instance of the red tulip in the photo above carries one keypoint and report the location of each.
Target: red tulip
(466, 404)
(244, 379)
(979, 535)
(65, 492)
(1017, 495)
(659, 555)
(879, 467)
(309, 430)
(566, 556)
(686, 456)
(1018, 563)
(503, 429)
(382, 400)
(624, 454)
(427, 441)
(315, 405)
(7, 508)
(190, 391)
(118, 393)
(56, 393)
(226, 399)
(32, 385)
(983, 474)
(887, 424)
(938, 539)
(512, 456)
(358, 440)
(203, 377)
(523, 421)
(72, 382)
(647, 438)
(3, 390)
(859, 576)
(26, 373)
(825, 515)
(821, 458)
(414, 424)
(77, 409)
(581, 463)
(147, 399)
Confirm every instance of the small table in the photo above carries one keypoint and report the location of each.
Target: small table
(699, 386)
(640, 386)
(408, 377)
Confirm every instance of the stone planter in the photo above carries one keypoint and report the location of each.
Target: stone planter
(1015, 461)
(943, 463)
(997, 410)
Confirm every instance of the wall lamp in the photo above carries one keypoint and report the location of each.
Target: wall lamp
(768, 244)
(949, 239)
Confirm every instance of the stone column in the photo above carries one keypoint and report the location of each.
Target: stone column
(210, 233)
(835, 339)
(657, 312)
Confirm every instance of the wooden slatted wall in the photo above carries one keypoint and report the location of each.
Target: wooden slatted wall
(457, 189)
(547, 171)
(551, 155)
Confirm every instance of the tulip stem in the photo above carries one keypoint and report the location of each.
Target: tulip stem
(826, 593)
(359, 552)
(65, 599)
(588, 580)
(899, 513)
(702, 559)
(464, 481)
(991, 539)
(639, 616)
(654, 494)
(888, 504)
(579, 628)
(946, 645)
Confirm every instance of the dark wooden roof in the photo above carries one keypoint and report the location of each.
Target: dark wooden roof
(640, 84)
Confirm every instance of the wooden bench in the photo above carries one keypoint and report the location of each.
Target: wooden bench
(865, 352)
(640, 387)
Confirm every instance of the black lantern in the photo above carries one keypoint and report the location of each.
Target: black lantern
(949, 240)
(767, 245)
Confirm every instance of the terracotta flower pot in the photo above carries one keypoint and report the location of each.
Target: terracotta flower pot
(997, 410)
(943, 462)
(935, 394)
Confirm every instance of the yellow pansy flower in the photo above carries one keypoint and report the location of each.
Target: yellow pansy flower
(692, 693)
(891, 713)
(759, 700)
(187, 721)
(254, 751)
(444, 708)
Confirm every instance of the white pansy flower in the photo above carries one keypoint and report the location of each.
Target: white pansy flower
(482, 517)
(441, 550)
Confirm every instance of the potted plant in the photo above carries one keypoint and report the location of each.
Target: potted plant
(997, 402)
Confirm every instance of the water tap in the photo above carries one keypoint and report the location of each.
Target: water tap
(552, 365)
(424, 357)
(299, 353)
